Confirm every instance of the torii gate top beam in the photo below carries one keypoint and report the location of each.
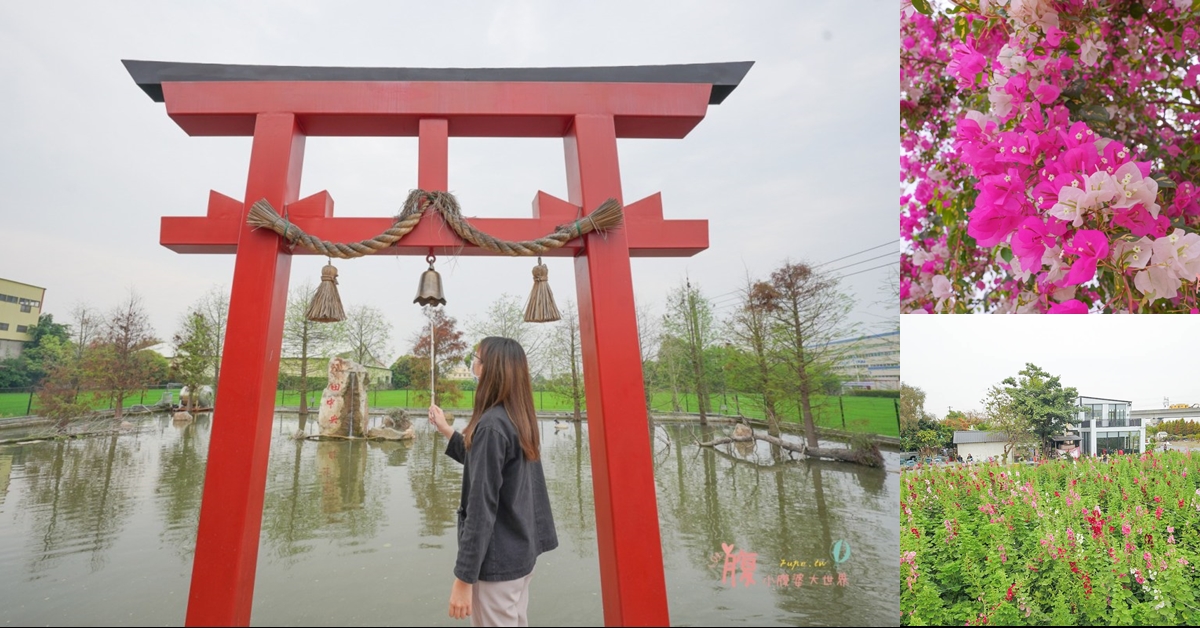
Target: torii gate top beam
(664, 101)
(644, 102)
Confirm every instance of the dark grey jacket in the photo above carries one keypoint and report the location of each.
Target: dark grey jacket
(504, 518)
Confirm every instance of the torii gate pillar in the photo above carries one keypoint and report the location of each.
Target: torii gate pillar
(589, 108)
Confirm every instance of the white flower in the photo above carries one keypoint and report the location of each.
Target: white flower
(1090, 51)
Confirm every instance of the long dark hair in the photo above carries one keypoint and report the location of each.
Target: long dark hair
(505, 380)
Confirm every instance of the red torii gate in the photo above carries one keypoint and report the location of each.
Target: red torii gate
(281, 105)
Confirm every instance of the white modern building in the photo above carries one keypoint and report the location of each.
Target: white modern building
(1107, 426)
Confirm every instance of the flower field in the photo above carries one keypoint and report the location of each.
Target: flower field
(1062, 543)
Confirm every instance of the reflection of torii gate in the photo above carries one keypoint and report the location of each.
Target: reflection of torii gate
(589, 108)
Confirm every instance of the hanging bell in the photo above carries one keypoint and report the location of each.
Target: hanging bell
(429, 290)
(541, 307)
(326, 306)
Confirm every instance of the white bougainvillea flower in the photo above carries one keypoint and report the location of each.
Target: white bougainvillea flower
(1137, 253)
(1157, 282)
(1072, 205)
(1134, 189)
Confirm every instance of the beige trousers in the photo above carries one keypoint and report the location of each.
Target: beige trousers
(500, 603)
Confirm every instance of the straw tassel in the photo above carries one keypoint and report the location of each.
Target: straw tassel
(326, 306)
(541, 307)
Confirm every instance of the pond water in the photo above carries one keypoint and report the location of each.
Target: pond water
(101, 530)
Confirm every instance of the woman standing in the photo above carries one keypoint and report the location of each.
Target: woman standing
(504, 519)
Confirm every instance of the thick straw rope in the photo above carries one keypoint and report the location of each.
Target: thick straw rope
(607, 216)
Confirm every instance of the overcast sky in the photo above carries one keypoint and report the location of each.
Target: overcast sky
(955, 359)
(89, 163)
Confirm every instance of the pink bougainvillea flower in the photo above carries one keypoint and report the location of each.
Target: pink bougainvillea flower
(1070, 307)
(1139, 222)
(1189, 80)
(1054, 36)
(967, 65)
(1032, 239)
(1091, 246)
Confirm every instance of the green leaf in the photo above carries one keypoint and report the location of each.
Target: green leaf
(1007, 254)
(1137, 10)
(1069, 45)
(1164, 181)
(922, 6)
(1096, 113)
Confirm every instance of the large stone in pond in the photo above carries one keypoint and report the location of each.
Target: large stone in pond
(344, 401)
(387, 433)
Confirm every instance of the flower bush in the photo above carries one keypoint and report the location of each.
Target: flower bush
(1062, 543)
(1050, 155)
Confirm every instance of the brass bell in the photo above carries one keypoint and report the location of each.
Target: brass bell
(429, 291)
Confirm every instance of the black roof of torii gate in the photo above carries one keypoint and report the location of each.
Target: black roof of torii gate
(724, 77)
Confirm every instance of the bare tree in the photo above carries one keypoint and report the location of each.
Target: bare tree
(506, 318)
(566, 359)
(304, 339)
(649, 340)
(119, 365)
(809, 313)
(85, 323)
(368, 333)
(214, 306)
(750, 328)
(690, 319)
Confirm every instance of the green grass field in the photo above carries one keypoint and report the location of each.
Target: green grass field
(861, 414)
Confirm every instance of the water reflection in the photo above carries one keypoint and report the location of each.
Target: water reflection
(323, 490)
(78, 495)
(344, 516)
(181, 481)
(436, 481)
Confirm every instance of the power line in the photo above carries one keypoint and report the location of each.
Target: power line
(869, 269)
(853, 254)
(864, 261)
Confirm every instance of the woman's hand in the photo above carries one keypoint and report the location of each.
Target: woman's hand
(460, 598)
(438, 419)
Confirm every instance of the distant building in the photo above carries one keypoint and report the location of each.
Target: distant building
(870, 362)
(1155, 416)
(981, 446)
(20, 307)
(1108, 427)
(318, 368)
(458, 372)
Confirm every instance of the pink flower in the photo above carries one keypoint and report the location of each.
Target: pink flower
(1125, 529)
(967, 65)
(1032, 239)
(1091, 246)
(1139, 221)
(1069, 307)
(1189, 80)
